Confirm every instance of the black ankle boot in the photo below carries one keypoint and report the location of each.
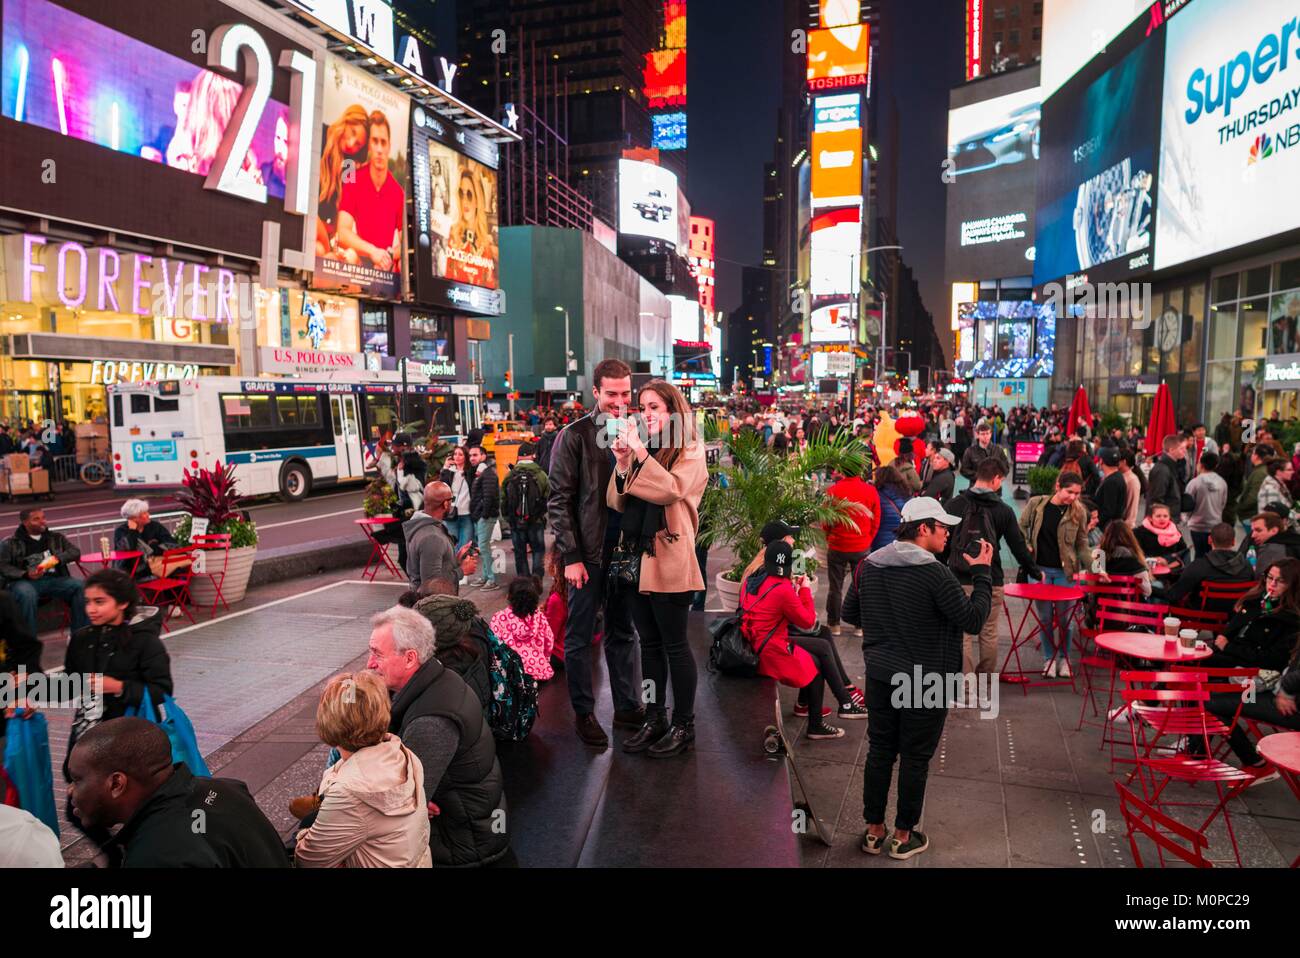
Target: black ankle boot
(655, 727)
(678, 740)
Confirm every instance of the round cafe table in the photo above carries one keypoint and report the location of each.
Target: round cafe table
(1283, 750)
(1032, 592)
(98, 558)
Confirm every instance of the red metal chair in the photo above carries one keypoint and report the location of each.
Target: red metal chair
(171, 590)
(1113, 615)
(1221, 596)
(1164, 711)
(1199, 619)
(1149, 820)
(215, 549)
(1122, 587)
(1223, 683)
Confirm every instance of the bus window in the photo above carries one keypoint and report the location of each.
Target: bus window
(246, 412)
(139, 403)
(166, 405)
(117, 409)
(287, 408)
(381, 414)
(309, 410)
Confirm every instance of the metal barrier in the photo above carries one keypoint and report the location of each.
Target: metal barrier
(86, 537)
(65, 469)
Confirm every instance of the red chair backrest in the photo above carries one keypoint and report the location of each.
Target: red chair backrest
(1118, 590)
(1149, 820)
(1116, 616)
(1094, 578)
(173, 558)
(1198, 618)
(1122, 605)
(1224, 591)
(213, 542)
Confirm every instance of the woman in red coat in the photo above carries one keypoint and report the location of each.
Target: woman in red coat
(772, 602)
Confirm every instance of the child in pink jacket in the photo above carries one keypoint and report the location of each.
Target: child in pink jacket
(522, 625)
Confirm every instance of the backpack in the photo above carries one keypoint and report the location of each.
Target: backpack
(731, 653)
(513, 709)
(525, 503)
(976, 524)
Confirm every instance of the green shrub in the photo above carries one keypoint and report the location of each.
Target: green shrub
(1042, 480)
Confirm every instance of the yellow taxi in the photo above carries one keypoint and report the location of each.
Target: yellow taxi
(504, 430)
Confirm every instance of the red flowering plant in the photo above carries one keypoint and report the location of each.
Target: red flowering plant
(210, 494)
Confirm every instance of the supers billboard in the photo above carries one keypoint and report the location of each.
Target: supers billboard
(1230, 150)
(647, 201)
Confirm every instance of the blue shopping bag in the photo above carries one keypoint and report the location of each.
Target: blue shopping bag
(185, 747)
(27, 760)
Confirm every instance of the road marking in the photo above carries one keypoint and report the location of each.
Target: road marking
(293, 522)
(266, 605)
(272, 505)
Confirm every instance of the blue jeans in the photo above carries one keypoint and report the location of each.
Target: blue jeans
(1055, 645)
(29, 592)
(462, 527)
(483, 529)
(525, 536)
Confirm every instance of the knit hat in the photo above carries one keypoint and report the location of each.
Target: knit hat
(450, 616)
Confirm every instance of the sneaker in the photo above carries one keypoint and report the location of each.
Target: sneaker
(1063, 669)
(489, 586)
(915, 844)
(1261, 773)
(835, 629)
(1119, 715)
(1049, 670)
(873, 844)
(856, 695)
(825, 731)
(852, 710)
(464, 580)
(801, 710)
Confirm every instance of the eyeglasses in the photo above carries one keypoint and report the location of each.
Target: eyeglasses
(1274, 578)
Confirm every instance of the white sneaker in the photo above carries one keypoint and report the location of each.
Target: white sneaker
(1049, 670)
(1063, 670)
(835, 630)
(1119, 715)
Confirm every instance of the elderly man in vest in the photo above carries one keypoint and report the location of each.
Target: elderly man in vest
(440, 719)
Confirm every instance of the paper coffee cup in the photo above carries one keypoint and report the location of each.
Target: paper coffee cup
(1188, 638)
(1172, 625)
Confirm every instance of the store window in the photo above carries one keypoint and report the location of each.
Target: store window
(302, 319)
(430, 337)
(376, 323)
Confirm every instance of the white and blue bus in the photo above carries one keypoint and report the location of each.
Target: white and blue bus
(285, 436)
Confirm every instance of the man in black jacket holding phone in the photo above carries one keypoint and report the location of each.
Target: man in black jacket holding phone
(586, 531)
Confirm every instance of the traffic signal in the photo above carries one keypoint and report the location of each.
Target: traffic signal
(507, 380)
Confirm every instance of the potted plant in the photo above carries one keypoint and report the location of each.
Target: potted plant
(758, 486)
(1042, 480)
(380, 499)
(210, 494)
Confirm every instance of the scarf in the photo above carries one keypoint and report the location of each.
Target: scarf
(642, 522)
(1167, 536)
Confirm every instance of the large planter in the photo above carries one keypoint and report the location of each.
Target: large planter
(728, 592)
(239, 566)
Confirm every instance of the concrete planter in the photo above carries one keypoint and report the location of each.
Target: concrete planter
(238, 568)
(728, 592)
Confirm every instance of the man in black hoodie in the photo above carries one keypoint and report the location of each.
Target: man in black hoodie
(983, 501)
(1165, 482)
(913, 615)
(1222, 563)
(34, 564)
(1112, 493)
(122, 773)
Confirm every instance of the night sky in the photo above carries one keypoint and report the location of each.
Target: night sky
(734, 88)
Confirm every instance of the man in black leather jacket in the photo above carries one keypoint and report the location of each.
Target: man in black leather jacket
(586, 531)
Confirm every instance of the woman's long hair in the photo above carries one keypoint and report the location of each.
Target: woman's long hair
(1289, 569)
(1117, 534)
(679, 432)
(331, 161)
(212, 101)
(888, 475)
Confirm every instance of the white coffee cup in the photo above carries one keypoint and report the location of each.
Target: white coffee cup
(1172, 625)
(1187, 638)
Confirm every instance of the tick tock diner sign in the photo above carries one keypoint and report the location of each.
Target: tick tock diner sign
(45, 272)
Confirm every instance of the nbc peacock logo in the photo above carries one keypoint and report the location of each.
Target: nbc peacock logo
(1261, 149)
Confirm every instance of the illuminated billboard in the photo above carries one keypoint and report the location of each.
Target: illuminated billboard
(668, 131)
(839, 13)
(974, 38)
(838, 57)
(836, 245)
(1075, 31)
(837, 167)
(839, 111)
(701, 258)
(833, 324)
(647, 201)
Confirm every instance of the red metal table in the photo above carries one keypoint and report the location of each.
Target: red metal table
(98, 558)
(378, 550)
(1283, 750)
(1032, 592)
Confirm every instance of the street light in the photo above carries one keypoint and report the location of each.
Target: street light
(569, 363)
(884, 319)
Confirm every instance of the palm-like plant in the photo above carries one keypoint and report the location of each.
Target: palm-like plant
(759, 486)
(210, 494)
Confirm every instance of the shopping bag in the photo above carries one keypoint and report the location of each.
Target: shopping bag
(27, 762)
(180, 732)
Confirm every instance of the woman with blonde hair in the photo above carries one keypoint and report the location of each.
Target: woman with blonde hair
(345, 139)
(659, 478)
(372, 810)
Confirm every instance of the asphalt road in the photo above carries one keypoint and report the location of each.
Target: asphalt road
(323, 515)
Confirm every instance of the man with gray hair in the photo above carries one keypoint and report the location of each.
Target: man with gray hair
(440, 719)
(144, 534)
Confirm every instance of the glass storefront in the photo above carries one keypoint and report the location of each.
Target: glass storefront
(1254, 317)
(306, 319)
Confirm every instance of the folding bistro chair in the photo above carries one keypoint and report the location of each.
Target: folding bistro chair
(1199, 619)
(1168, 711)
(171, 590)
(1123, 587)
(215, 549)
(1222, 596)
(1113, 615)
(1149, 820)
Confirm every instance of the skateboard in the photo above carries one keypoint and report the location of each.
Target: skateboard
(777, 742)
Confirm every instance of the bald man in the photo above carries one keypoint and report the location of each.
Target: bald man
(430, 548)
(121, 773)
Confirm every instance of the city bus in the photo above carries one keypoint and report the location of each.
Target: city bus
(284, 436)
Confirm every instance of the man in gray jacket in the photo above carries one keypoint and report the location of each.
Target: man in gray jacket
(430, 548)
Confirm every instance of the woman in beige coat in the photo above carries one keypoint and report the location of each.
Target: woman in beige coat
(373, 812)
(657, 484)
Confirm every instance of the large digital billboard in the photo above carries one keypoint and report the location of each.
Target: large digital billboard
(1230, 145)
(838, 57)
(836, 245)
(361, 217)
(837, 167)
(1075, 31)
(835, 323)
(991, 173)
(647, 201)
(1006, 339)
(665, 78)
(839, 13)
(1097, 179)
(668, 131)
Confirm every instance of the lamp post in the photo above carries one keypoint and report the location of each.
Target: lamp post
(884, 321)
(569, 363)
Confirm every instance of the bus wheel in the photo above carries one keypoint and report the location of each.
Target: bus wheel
(295, 482)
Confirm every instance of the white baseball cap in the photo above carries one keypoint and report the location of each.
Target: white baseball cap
(26, 842)
(925, 507)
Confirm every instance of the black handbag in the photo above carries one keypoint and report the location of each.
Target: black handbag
(624, 572)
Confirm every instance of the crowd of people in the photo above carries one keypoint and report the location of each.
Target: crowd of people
(607, 506)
